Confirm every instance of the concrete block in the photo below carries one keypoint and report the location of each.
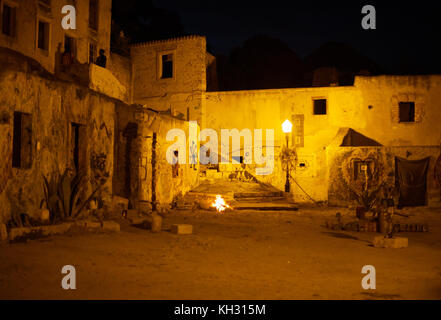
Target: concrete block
(3, 232)
(93, 225)
(182, 229)
(18, 232)
(111, 226)
(395, 243)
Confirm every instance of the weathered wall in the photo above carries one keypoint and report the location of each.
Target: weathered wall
(121, 67)
(134, 154)
(338, 157)
(54, 105)
(25, 40)
(189, 81)
(369, 107)
(383, 93)
(104, 81)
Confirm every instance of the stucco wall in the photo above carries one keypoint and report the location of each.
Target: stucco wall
(189, 62)
(53, 106)
(138, 157)
(121, 68)
(369, 107)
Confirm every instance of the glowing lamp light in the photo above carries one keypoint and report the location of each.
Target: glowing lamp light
(287, 126)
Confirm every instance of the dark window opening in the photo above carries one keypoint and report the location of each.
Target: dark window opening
(70, 45)
(22, 141)
(167, 66)
(8, 21)
(43, 35)
(93, 14)
(362, 169)
(407, 111)
(320, 106)
(78, 146)
(302, 165)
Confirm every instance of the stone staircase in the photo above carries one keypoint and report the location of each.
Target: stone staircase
(239, 195)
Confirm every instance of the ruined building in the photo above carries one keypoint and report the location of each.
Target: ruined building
(112, 123)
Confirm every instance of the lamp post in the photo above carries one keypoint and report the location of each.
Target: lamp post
(287, 128)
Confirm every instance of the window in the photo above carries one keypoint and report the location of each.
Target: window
(70, 45)
(92, 52)
(22, 141)
(93, 14)
(362, 169)
(43, 35)
(319, 106)
(8, 20)
(78, 146)
(407, 111)
(167, 66)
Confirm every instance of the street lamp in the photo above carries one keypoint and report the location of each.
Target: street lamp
(287, 128)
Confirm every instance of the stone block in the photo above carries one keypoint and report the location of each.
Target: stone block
(111, 226)
(3, 232)
(18, 232)
(182, 229)
(93, 225)
(395, 243)
(55, 229)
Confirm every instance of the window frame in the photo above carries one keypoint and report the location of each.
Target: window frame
(314, 99)
(95, 43)
(92, 28)
(49, 34)
(160, 64)
(14, 24)
(411, 110)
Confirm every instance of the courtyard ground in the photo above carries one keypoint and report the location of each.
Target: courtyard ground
(234, 255)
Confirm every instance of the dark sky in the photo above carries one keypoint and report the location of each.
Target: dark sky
(407, 32)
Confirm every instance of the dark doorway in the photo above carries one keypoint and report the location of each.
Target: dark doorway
(130, 161)
(411, 180)
(78, 147)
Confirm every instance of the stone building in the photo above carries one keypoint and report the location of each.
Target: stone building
(76, 115)
(400, 113)
(112, 122)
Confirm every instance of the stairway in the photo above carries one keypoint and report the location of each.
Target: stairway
(239, 195)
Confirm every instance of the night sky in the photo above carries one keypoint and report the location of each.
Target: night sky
(407, 32)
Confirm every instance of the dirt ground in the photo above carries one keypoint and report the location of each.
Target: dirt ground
(235, 255)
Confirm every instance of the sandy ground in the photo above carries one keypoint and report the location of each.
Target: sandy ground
(236, 255)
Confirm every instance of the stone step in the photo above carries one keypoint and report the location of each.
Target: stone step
(260, 194)
(265, 206)
(262, 199)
